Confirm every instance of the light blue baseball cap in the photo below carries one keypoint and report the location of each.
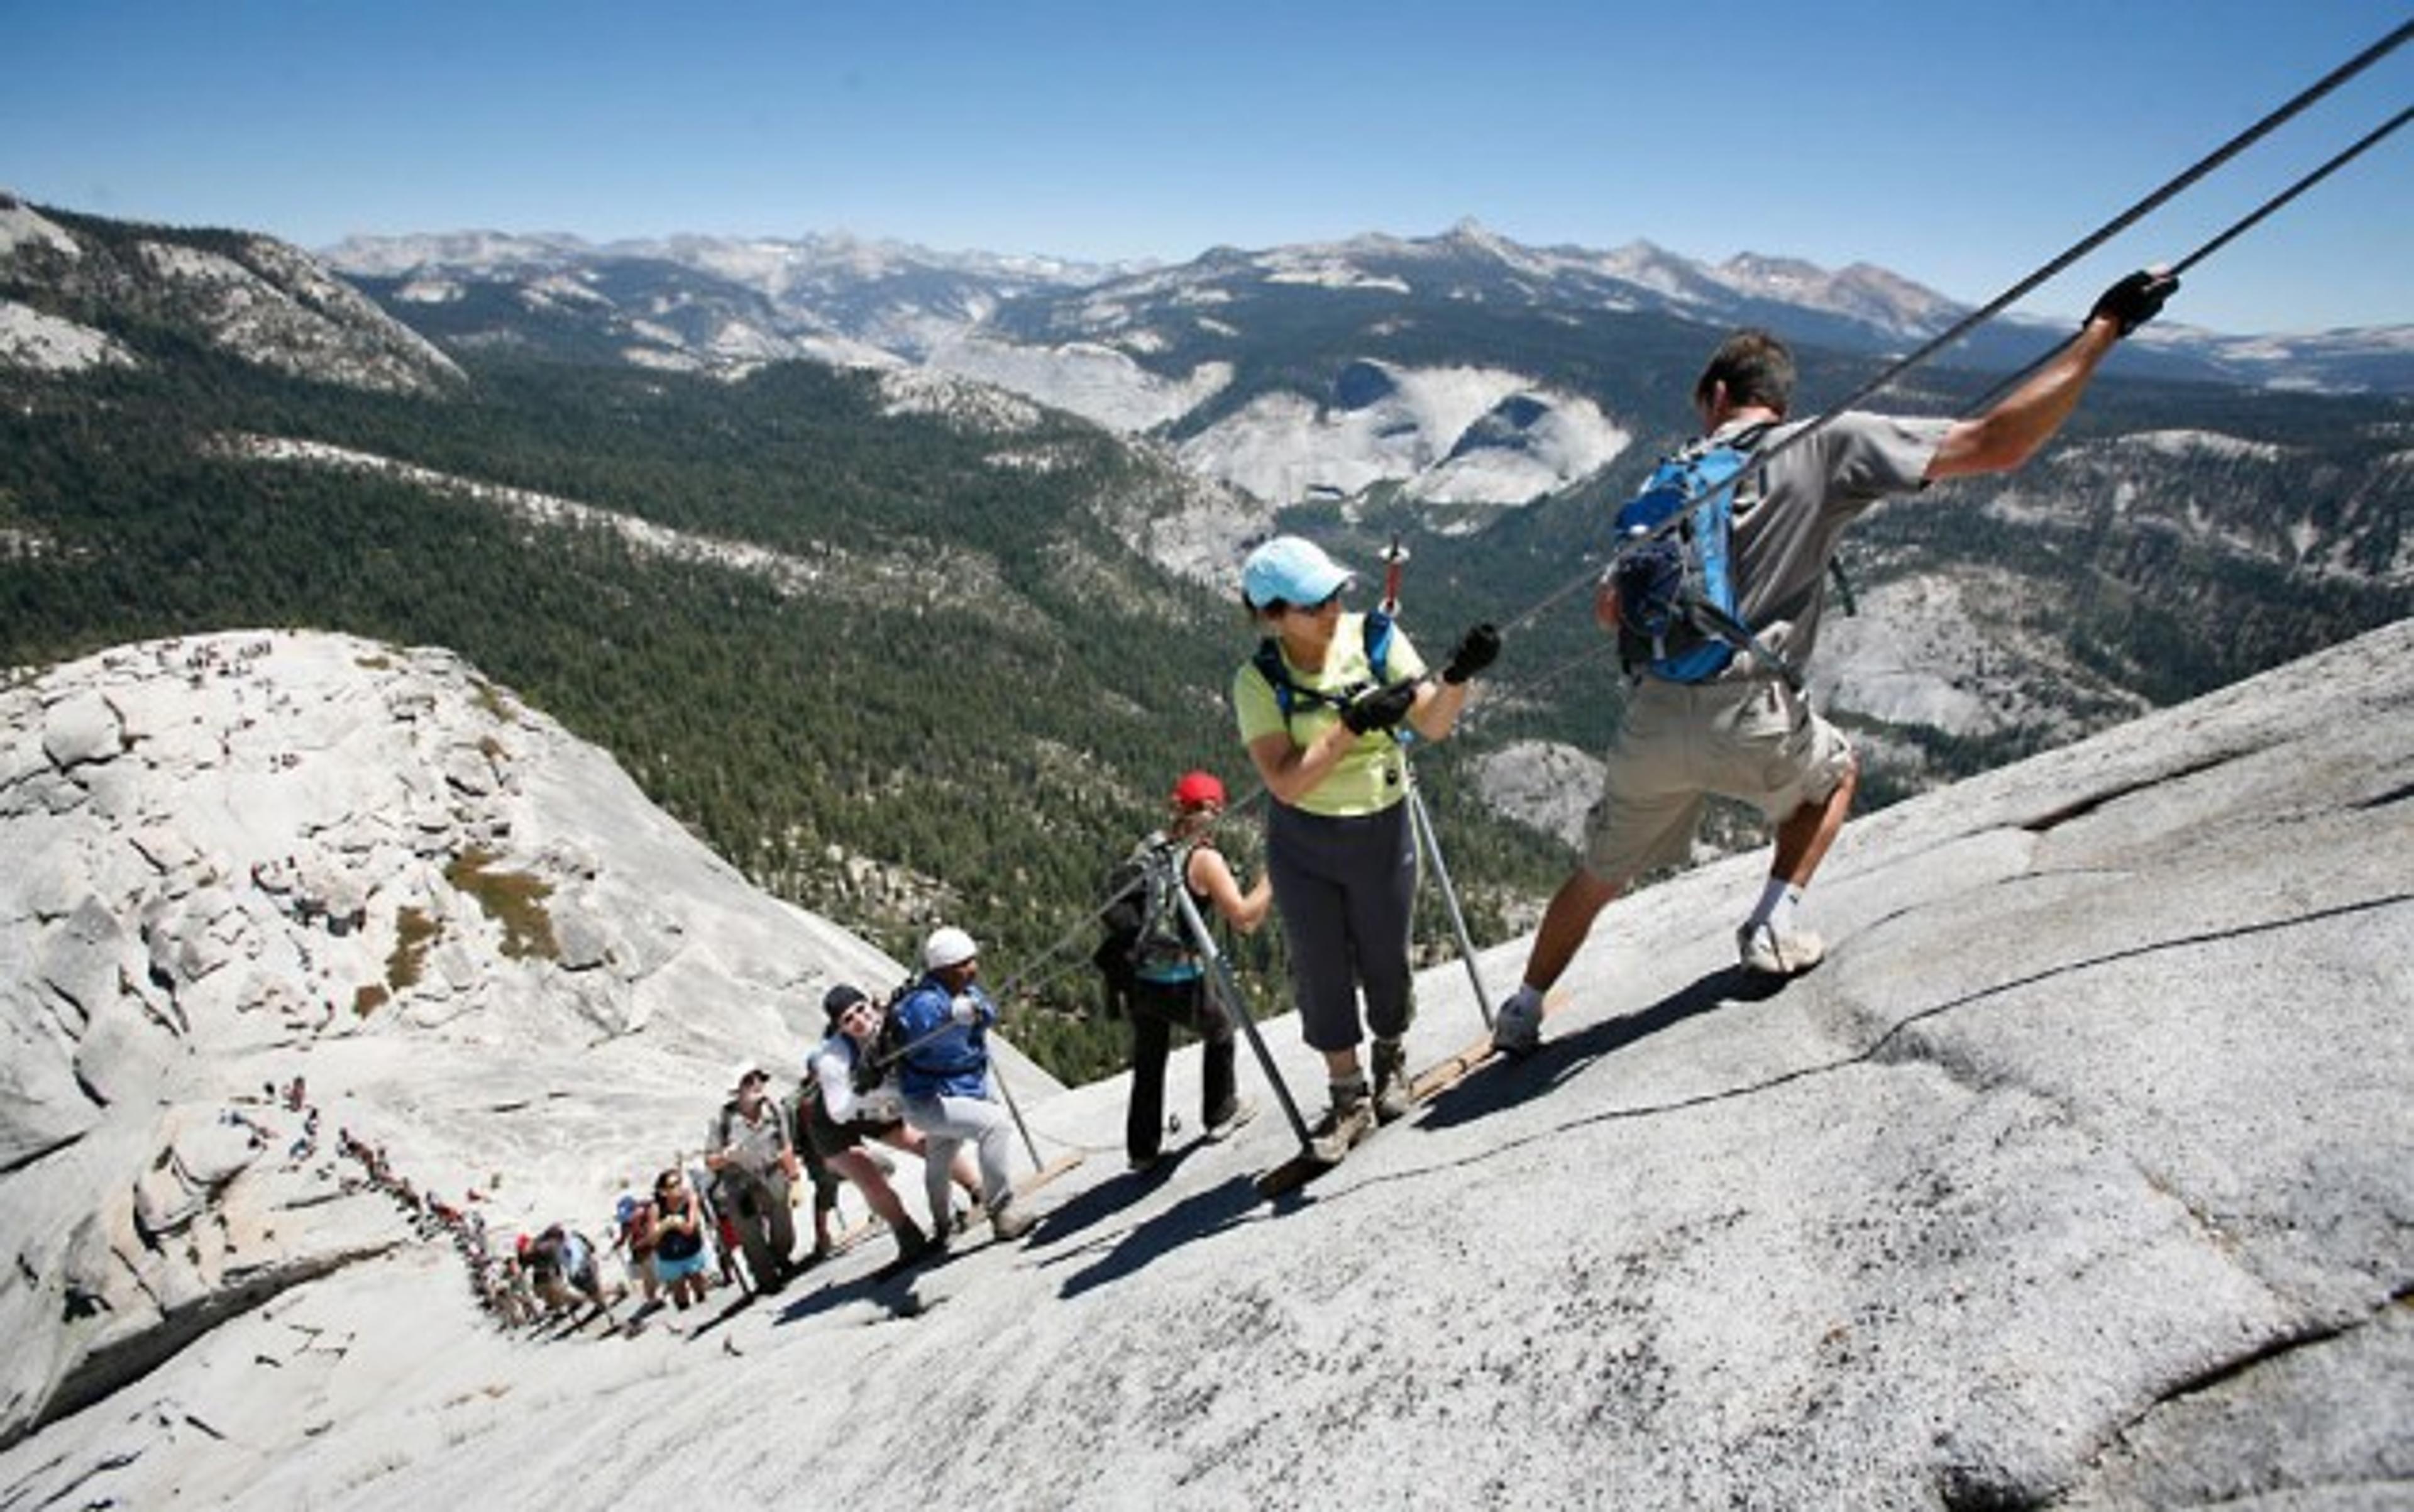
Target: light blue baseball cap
(1292, 569)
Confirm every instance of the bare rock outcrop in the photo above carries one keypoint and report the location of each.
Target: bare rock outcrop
(269, 894)
(2081, 1173)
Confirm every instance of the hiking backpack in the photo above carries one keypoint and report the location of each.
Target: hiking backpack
(1376, 627)
(1141, 913)
(1675, 572)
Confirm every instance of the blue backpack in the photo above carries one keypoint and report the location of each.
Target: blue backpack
(1674, 570)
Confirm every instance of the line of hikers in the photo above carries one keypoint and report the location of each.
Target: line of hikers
(1714, 594)
(927, 1092)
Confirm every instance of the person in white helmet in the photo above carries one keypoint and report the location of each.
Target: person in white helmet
(943, 1077)
(854, 1102)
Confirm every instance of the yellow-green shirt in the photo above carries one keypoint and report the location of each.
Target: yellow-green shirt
(1369, 777)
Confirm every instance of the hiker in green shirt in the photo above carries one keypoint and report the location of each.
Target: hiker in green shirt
(1320, 710)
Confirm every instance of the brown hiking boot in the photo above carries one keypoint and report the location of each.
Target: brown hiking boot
(1394, 1098)
(1351, 1119)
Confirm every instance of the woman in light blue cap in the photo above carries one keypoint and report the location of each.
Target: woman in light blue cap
(1319, 707)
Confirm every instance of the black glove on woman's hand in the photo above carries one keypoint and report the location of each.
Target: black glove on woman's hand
(2135, 299)
(1379, 708)
(1477, 650)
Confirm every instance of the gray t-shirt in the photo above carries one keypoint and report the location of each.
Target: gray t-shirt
(1805, 497)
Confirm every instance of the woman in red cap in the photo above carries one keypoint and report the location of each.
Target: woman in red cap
(1169, 985)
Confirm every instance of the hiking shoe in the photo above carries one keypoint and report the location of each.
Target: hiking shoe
(1393, 1100)
(1771, 954)
(1009, 1221)
(1347, 1123)
(1226, 1124)
(914, 1246)
(1518, 1029)
(1141, 1164)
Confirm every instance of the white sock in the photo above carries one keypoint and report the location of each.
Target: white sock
(1778, 899)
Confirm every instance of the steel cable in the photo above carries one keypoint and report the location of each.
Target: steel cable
(2043, 273)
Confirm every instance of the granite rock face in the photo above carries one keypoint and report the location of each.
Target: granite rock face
(2082, 1173)
(246, 867)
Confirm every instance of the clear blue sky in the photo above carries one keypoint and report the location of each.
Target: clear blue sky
(1956, 143)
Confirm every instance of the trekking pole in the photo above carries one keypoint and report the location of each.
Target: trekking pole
(708, 1210)
(1030, 1146)
(1233, 1004)
(1420, 820)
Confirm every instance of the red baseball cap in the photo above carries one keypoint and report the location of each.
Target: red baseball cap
(1196, 789)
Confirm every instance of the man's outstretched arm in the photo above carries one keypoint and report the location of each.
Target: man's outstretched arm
(2025, 419)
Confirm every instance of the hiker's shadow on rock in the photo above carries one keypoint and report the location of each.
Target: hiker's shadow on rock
(729, 1310)
(1501, 1082)
(1193, 1217)
(889, 1287)
(1107, 1198)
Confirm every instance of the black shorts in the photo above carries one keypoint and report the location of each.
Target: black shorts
(829, 1137)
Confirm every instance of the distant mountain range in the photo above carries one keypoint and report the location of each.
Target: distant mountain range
(1468, 370)
(748, 298)
(767, 518)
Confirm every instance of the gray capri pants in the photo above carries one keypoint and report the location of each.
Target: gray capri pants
(1345, 887)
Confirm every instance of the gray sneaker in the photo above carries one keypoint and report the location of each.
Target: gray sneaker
(1394, 1097)
(1518, 1028)
(1765, 950)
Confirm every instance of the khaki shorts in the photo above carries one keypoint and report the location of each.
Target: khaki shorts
(1678, 744)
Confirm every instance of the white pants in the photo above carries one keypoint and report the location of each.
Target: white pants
(946, 1123)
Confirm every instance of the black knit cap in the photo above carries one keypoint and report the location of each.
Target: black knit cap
(838, 999)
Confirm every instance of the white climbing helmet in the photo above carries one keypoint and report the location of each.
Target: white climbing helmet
(948, 947)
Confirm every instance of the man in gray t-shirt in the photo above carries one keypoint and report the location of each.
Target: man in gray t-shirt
(1746, 733)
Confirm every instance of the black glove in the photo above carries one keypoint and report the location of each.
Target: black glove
(1379, 708)
(2135, 299)
(1477, 650)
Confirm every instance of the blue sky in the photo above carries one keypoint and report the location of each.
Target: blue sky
(1956, 143)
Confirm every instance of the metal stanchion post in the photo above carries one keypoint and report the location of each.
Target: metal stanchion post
(1230, 990)
(1421, 821)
